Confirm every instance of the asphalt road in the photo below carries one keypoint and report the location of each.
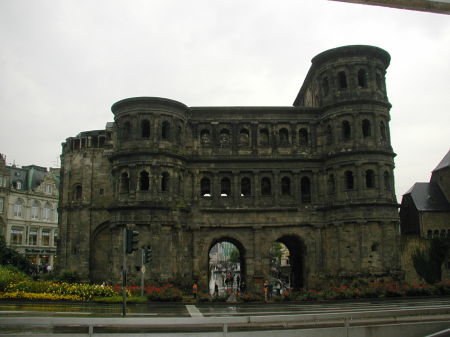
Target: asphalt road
(214, 309)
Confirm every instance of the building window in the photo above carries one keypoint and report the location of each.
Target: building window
(124, 183)
(379, 81)
(305, 189)
(48, 189)
(47, 212)
(246, 187)
(263, 137)
(35, 210)
(370, 179)
(2, 202)
(18, 208)
(342, 80)
(346, 130)
(362, 78)
(224, 137)
(244, 137)
(349, 181)
(225, 187)
(266, 187)
(382, 131)
(205, 187)
(366, 130)
(78, 192)
(32, 237)
(205, 137)
(17, 185)
(329, 135)
(16, 235)
(387, 181)
(285, 186)
(284, 137)
(145, 129)
(165, 182)
(325, 86)
(45, 237)
(303, 137)
(165, 130)
(126, 130)
(429, 234)
(144, 181)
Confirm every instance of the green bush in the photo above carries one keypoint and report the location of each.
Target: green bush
(10, 257)
(9, 275)
(248, 297)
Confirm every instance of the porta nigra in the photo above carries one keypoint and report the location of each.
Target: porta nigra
(316, 176)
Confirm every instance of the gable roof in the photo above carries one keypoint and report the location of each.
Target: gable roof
(428, 197)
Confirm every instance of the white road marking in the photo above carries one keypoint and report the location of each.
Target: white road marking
(193, 311)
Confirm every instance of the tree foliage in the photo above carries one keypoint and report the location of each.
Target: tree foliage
(10, 257)
(428, 263)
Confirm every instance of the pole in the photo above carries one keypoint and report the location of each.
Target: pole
(124, 274)
(142, 271)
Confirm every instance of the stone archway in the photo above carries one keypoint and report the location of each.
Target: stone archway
(101, 256)
(294, 269)
(229, 270)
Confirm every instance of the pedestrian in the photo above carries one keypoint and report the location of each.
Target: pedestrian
(266, 289)
(243, 287)
(195, 290)
(216, 290)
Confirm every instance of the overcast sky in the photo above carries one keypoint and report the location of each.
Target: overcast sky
(64, 63)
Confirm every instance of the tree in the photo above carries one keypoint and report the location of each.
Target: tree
(9, 256)
(428, 263)
(235, 256)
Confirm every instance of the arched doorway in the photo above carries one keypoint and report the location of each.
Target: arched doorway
(226, 266)
(287, 263)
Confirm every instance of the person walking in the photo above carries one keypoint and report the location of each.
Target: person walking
(195, 290)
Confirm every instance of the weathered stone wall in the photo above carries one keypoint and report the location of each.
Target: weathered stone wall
(317, 177)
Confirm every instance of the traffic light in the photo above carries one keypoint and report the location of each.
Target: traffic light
(147, 255)
(132, 241)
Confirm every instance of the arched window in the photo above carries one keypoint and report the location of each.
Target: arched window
(429, 234)
(78, 192)
(303, 137)
(124, 183)
(387, 181)
(366, 129)
(346, 130)
(18, 205)
(266, 186)
(244, 137)
(144, 181)
(370, 179)
(205, 137)
(165, 130)
(47, 212)
(179, 134)
(331, 184)
(224, 137)
(246, 187)
(349, 181)
(225, 187)
(205, 187)
(35, 210)
(342, 80)
(305, 189)
(329, 135)
(145, 129)
(263, 137)
(284, 137)
(382, 131)
(165, 182)
(362, 78)
(126, 130)
(285, 186)
(325, 86)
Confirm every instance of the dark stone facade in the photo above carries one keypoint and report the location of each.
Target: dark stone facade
(316, 176)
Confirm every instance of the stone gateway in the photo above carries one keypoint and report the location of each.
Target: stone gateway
(316, 176)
